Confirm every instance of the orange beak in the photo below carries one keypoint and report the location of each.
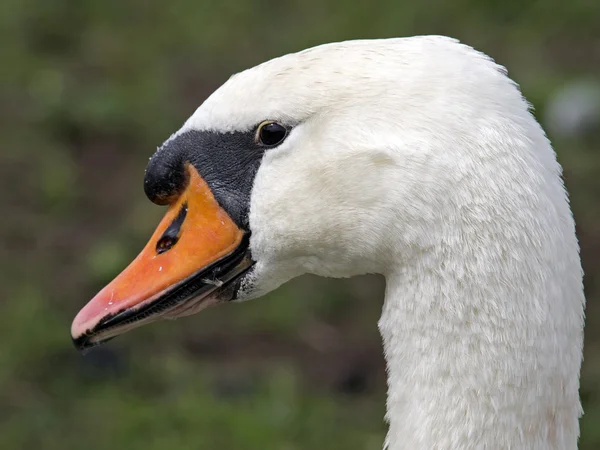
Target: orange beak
(191, 260)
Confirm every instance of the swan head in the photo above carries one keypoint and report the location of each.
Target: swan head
(339, 160)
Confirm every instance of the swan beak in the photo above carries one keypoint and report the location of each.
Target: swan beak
(190, 262)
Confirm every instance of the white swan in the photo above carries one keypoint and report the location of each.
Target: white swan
(415, 158)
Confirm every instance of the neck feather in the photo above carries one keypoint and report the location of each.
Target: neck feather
(483, 337)
(483, 327)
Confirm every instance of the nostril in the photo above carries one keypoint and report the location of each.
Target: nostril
(165, 243)
(171, 234)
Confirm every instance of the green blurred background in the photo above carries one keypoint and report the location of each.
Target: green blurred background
(88, 89)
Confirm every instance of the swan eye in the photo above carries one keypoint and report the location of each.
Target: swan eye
(271, 133)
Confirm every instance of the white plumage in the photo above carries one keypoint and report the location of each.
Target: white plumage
(419, 159)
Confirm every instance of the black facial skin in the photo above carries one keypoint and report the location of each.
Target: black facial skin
(228, 162)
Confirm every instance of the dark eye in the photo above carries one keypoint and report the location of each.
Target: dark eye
(271, 133)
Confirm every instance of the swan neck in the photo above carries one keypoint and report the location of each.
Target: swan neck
(482, 356)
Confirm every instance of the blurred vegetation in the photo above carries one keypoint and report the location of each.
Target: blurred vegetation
(88, 89)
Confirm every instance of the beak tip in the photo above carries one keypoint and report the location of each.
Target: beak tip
(78, 328)
(87, 320)
(81, 332)
(79, 337)
(84, 343)
(80, 343)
